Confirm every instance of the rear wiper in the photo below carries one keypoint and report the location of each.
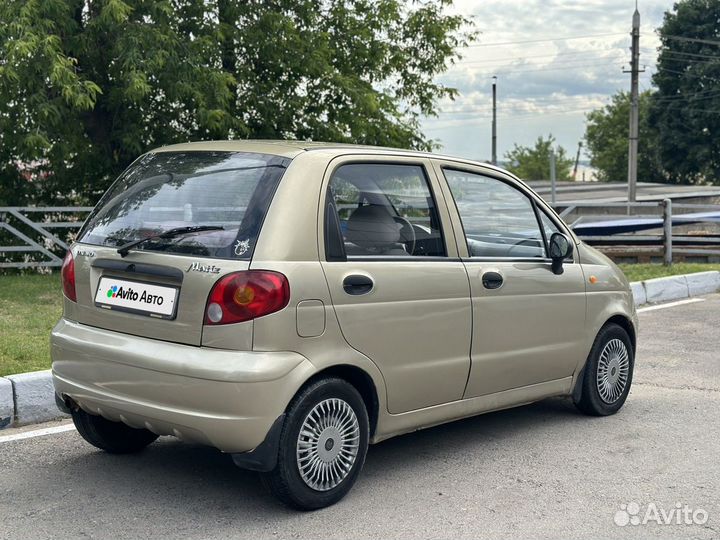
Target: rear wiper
(178, 231)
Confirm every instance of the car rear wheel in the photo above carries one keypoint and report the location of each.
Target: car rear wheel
(323, 445)
(113, 437)
(608, 372)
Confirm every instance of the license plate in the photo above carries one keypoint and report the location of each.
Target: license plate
(136, 297)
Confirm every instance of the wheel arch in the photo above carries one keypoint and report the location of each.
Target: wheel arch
(264, 457)
(626, 324)
(360, 380)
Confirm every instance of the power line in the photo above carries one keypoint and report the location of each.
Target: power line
(686, 63)
(701, 96)
(568, 38)
(523, 110)
(487, 114)
(559, 100)
(707, 111)
(686, 73)
(693, 40)
(692, 61)
(507, 117)
(553, 96)
(571, 62)
(549, 100)
(554, 55)
(552, 67)
(682, 53)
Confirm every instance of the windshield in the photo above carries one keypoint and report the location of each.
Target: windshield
(228, 192)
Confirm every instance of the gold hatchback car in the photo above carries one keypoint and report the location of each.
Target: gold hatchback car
(289, 303)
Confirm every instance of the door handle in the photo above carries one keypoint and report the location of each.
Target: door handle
(357, 284)
(492, 280)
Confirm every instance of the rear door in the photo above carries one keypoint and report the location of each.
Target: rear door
(399, 290)
(160, 288)
(528, 323)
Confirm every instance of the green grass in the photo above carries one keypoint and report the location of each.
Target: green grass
(30, 305)
(640, 272)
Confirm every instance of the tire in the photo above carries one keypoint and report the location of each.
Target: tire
(113, 437)
(319, 408)
(608, 372)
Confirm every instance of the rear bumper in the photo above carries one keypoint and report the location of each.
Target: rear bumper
(226, 399)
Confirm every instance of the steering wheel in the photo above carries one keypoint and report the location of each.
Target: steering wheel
(525, 242)
(407, 226)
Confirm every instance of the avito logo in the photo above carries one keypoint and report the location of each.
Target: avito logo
(123, 294)
(128, 294)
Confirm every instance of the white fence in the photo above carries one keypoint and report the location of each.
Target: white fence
(36, 237)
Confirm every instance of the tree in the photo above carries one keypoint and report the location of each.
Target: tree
(533, 163)
(86, 86)
(606, 138)
(685, 110)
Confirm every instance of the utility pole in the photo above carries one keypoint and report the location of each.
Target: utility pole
(494, 121)
(577, 160)
(634, 107)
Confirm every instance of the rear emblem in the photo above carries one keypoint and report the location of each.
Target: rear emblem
(207, 268)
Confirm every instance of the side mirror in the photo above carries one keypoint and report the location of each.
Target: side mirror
(560, 249)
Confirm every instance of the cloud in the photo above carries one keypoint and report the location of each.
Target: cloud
(546, 82)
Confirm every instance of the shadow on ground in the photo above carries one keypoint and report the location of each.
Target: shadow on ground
(171, 475)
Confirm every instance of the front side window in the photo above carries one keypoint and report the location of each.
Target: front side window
(384, 210)
(499, 220)
(228, 191)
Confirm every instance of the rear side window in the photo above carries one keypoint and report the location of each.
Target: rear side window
(166, 190)
(383, 210)
(499, 220)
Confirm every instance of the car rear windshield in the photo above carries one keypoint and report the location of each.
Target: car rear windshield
(167, 190)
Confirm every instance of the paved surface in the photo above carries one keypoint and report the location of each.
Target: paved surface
(538, 471)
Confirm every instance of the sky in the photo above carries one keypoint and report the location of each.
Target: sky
(555, 60)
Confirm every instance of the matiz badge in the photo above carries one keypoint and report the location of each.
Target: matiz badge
(207, 268)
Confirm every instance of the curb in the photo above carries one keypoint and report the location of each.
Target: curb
(29, 398)
(675, 287)
(7, 404)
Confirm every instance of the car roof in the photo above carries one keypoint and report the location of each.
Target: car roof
(292, 148)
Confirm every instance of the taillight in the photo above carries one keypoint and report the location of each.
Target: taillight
(242, 296)
(68, 277)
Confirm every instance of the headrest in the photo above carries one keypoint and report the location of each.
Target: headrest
(371, 227)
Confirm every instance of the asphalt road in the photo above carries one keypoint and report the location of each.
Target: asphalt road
(541, 470)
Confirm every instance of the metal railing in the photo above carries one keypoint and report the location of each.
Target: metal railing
(635, 218)
(29, 241)
(37, 243)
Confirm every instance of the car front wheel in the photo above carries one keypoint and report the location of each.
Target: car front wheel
(323, 445)
(608, 372)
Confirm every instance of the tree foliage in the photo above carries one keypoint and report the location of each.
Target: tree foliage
(606, 138)
(533, 163)
(88, 85)
(685, 110)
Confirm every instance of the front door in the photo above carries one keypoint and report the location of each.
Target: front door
(399, 290)
(528, 323)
